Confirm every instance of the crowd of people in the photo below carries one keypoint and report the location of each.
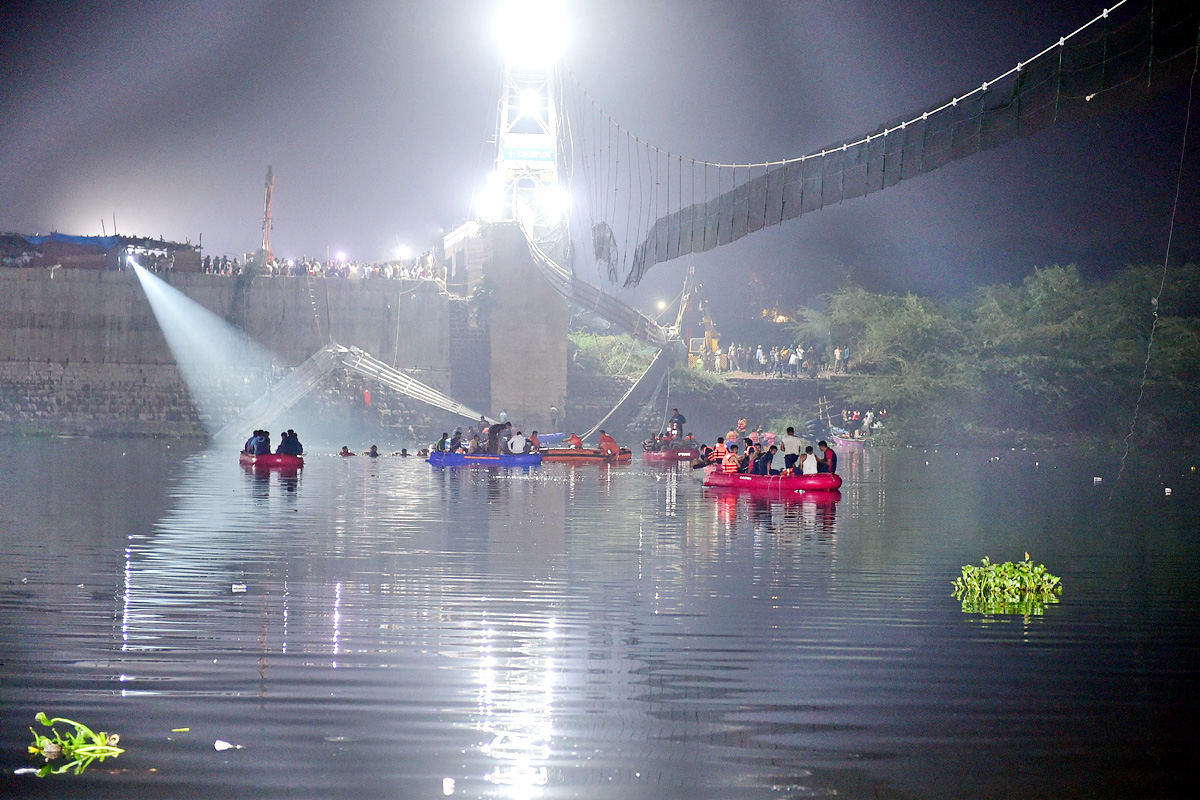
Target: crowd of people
(783, 360)
(422, 268)
(859, 424)
(759, 451)
(259, 444)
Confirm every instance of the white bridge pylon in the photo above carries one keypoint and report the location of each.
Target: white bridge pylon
(308, 375)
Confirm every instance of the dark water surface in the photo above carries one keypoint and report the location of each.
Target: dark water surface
(594, 632)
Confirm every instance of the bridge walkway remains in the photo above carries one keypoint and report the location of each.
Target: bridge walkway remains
(308, 375)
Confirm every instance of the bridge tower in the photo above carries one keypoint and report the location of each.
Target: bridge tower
(526, 325)
(525, 183)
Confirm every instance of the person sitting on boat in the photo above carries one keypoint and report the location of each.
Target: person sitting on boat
(516, 444)
(455, 441)
(534, 445)
(473, 446)
(719, 451)
(749, 452)
(808, 462)
(608, 445)
(690, 442)
(762, 465)
(262, 443)
(730, 463)
(248, 447)
(828, 460)
(346, 452)
(290, 445)
(574, 442)
(442, 442)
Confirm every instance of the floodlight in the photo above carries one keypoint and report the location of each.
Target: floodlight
(532, 32)
(554, 201)
(404, 252)
(531, 103)
(341, 256)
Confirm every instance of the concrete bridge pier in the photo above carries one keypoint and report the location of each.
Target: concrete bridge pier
(527, 322)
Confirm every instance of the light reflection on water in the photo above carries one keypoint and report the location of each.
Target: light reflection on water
(377, 628)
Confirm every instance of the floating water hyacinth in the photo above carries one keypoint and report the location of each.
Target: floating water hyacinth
(80, 747)
(1010, 588)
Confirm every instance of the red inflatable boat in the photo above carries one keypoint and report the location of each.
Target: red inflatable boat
(774, 484)
(670, 456)
(271, 461)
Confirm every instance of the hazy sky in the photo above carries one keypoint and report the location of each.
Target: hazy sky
(376, 117)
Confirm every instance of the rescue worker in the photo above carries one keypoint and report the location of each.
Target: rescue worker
(608, 445)
(729, 463)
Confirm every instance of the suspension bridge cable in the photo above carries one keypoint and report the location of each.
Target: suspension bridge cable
(1156, 302)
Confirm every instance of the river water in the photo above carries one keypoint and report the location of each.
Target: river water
(381, 629)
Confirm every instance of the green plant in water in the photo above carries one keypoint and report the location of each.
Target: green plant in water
(1009, 588)
(80, 747)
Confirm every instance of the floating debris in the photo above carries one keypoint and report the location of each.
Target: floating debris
(81, 747)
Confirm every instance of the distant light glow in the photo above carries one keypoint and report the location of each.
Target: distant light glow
(531, 103)
(554, 201)
(532, 32)
(662, 304)
(341, 256)
(404, 252)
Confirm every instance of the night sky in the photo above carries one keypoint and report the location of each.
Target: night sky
(376, 118)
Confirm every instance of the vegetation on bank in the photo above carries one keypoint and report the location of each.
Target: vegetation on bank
(1055, 355)
(605, 354)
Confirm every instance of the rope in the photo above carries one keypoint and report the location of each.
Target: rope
(1163, 277)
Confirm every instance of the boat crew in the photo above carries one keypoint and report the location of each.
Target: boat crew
(828, 460)
(608, 445)
(720, 451)
(808, 462)
(574, 441)
(729, 463)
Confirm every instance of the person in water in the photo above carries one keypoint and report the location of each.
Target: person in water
(373, 452)
(346, 451)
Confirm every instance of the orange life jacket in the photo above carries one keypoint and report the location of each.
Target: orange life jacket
(729, 463)
(720, 450)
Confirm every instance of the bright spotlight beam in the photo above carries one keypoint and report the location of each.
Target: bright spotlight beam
(532, 32)
(225, 370)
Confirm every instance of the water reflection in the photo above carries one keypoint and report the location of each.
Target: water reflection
(604, 632)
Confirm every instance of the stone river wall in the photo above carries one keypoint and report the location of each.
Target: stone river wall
(81, 351)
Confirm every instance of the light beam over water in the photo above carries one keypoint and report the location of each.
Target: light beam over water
(225, 369)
